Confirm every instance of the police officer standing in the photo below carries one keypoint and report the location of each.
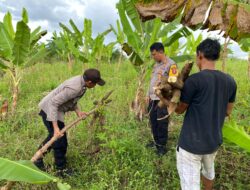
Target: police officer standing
(164, 66)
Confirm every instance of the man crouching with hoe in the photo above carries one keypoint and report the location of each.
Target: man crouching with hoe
(53, 107)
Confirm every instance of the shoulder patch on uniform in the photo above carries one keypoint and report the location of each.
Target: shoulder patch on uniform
(173, 71)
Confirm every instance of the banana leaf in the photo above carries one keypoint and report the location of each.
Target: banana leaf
(157, 24)
(182, 32)
(26, 171)
(170, 27)
(73, 25)
(130, 9)
(77, 32)
(36, 35)
(245, 44)
(40, 53)
(132, 37)
(3, 65)
(237, 135)
(25, 16)
(6, 43)
(7, 21)
(21, 46)
(87, 32)
(65, 28)
(182, 58)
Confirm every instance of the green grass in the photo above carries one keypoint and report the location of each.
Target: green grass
(123, 162)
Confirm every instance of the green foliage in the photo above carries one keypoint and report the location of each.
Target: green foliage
(21, 43)
(19, 49)
(80, 45)
(18, 46)
(25, 16)
(236, 134)
(132, 37)
(26, 171)
(119, 33)
(7, 21)
(6, 43)
(245, 44)
(192, 44)
(123, 162)
(140, 36)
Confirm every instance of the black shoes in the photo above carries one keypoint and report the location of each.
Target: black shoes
(151, 144)
(60, 171)
(161, 150)
(66, 172)
(40, 164)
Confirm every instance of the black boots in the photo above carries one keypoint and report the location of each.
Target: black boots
(151, 144)
(62, 172)
(66, 172)
(40, 164)
(161, 150)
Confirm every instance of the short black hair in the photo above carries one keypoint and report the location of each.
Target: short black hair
(210, 49)
(157, 46)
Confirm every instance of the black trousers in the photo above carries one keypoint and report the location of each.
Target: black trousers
(60, 146)
(159, 127)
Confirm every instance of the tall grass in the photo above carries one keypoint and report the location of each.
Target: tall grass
(123, 162)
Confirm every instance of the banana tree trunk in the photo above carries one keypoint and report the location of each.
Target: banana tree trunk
(70, 62)
(138, 105)
(249, 65)
(225, 54)
(15, 97)
(15, 89)
(120, 58)
(4, 110)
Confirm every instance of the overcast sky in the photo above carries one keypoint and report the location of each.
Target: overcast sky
(48, 13)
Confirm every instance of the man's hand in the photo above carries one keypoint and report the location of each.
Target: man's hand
(57, 132)
(181, 108)
(81, 114)
(165, 61)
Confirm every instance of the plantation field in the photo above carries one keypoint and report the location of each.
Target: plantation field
(114, 156)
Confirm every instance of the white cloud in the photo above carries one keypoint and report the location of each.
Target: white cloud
(1, 16)
(34, 24)
(77, 7)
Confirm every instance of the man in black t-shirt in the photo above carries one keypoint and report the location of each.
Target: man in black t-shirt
(207, 97)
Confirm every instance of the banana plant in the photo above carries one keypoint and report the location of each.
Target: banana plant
(99, 50)
(26, 171)
(192, 43)
(120, 37)
(19, 49)
(74, 44)
(139, 36)
(69, 43)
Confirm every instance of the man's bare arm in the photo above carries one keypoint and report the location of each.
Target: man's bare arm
(229, 108)
(181, 108)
